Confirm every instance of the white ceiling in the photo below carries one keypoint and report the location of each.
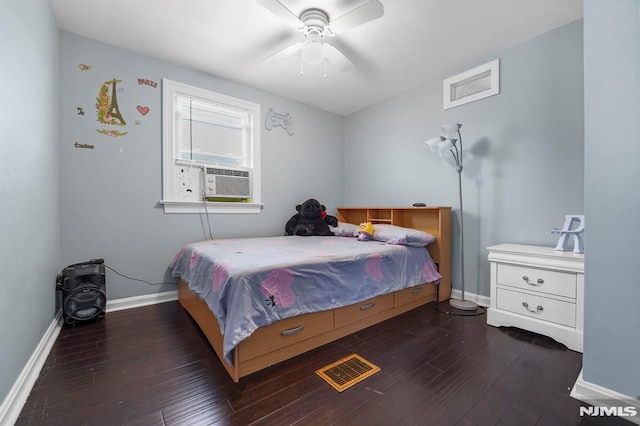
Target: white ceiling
(414, 42)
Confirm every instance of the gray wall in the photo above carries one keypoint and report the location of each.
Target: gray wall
(523, 151)
(29, 238)
(109, 195)
(612, 195)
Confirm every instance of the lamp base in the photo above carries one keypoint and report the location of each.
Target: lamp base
(463, 305)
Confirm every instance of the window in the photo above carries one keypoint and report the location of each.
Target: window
(210, 150)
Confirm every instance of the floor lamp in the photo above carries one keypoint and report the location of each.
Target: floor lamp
(448, 143)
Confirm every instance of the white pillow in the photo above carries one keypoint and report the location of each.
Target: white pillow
(345, 229)
(403, 236)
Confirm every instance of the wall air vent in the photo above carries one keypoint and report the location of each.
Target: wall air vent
(469, 86)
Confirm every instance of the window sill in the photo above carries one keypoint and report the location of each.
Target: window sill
(211, 207)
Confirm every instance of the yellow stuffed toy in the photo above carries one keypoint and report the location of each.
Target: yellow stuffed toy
(365, 231)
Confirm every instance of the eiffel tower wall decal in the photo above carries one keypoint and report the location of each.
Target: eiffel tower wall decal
(108, 110)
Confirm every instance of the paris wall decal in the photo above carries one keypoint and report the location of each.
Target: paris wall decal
(107, 108)
(147, 82)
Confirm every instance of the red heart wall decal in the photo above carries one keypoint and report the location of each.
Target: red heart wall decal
(143, 110)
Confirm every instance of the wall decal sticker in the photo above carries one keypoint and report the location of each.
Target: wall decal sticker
(187, 184)
(276, 119)
(84, 67)
(80, 111)
(107, 108)
(112, 133)
(107, 105)
(147, 82)
(143, 110)
(83, 145)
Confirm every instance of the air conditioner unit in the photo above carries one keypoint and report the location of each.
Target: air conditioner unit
(227, 183)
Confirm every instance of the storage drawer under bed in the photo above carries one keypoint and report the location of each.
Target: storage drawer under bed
(420, 293)
(358, 311)
(284, 333)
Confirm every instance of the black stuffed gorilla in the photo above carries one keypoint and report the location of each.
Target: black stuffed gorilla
(310, 220)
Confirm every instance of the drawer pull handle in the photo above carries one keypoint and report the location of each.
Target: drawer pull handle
(536, 311)
(417, 290)
(538, 282)
(292, 331)
(367, 306)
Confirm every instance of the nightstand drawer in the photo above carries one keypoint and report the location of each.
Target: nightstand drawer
(539, 280)
(542, 308)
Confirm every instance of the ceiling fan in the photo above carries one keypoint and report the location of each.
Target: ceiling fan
(316, 27)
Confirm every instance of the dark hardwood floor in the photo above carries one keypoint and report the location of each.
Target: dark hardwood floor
(152, 366)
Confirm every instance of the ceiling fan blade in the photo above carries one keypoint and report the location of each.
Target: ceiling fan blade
(283, 53)
(282, 12)
(368, 11)
(336, 57)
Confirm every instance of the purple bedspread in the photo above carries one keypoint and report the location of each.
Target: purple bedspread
(252, 282)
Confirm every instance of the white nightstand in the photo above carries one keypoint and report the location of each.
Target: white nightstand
(538, 289)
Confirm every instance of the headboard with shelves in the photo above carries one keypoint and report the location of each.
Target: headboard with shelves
(435, 220)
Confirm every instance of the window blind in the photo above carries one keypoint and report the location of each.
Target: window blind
(210, 133)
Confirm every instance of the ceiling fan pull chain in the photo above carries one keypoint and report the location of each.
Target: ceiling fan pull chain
(301, 64)
(325, 68)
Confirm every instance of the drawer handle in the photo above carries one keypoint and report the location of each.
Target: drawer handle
(537, 311)
(367, 306)
(538, 282)
(292, 331)
(417, 290)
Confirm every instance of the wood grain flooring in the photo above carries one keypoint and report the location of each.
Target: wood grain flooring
(152, 366)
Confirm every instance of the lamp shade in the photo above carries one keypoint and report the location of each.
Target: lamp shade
(446, 146)
(312, 50)
(450, 129)
(433, 143)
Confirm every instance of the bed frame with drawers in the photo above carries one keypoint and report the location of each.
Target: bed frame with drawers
(293, 336)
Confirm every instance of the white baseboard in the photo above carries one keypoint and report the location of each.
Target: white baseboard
(138, 301)
(479, 299)
(15, 400)
(599, 396)
(13, 403)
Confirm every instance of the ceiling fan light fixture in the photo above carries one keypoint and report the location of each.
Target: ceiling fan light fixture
(313, 51)
(315, 25)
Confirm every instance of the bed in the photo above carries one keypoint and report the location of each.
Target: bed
(260, 301)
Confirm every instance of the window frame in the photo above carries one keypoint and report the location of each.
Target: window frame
(170, 89)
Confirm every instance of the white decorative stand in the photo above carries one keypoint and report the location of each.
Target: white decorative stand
(538, 289)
